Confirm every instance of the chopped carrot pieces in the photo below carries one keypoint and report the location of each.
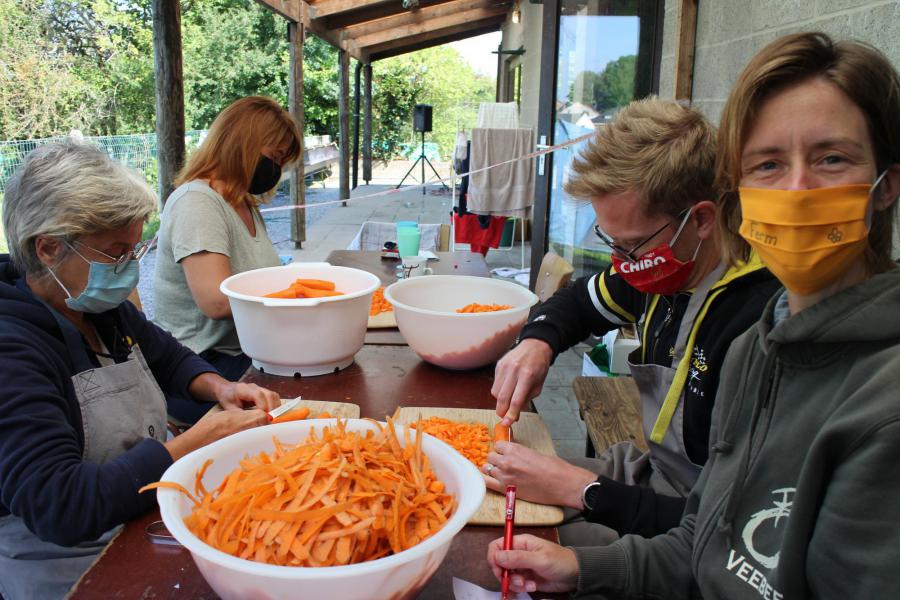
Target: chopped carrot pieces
(379, 304)
(478, 308)
(339, 497)
(306, 288)
(469, 439)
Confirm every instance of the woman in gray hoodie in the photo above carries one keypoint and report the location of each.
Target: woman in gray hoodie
(800, 497)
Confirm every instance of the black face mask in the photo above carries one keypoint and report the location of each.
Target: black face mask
(266, 176)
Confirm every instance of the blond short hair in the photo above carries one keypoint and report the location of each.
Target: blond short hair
(659, 148)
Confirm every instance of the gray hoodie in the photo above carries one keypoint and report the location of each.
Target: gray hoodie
(800, 497)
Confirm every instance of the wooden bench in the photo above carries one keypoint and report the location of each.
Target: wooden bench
(611, 409)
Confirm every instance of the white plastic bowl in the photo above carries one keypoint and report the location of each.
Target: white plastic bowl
(309, 336)
(425, 309)
(399, 576)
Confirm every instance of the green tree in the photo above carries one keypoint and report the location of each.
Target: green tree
(610, 88)
(437, 76)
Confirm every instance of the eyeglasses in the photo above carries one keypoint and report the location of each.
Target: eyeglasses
(136, 253)
(630, 254)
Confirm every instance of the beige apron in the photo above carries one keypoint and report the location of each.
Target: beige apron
(120, 405)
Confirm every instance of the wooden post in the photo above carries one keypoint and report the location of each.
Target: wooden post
(344, 117)
(296, 36)
(169, 79)
(367, 125)
(357, 71)
(684, 51)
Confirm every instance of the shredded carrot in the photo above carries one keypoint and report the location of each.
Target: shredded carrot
(478, 308)
(469, 439)
(306, 288)
(323, 415)
(379, 304)
(339, 497)
(298, 414)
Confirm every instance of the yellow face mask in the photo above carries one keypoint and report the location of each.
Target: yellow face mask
(807, 238)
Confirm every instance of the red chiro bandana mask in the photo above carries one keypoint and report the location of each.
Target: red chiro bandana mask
(657, 271)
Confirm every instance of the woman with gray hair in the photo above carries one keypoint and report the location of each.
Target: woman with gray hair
(82, 404)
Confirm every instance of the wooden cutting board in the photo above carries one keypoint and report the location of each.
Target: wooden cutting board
(383, 320)
(529, 431)
(344, 410)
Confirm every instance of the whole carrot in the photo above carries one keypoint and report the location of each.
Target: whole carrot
(298, 414)
(502, 433)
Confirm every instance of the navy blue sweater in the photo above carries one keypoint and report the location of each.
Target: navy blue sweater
(43, 478)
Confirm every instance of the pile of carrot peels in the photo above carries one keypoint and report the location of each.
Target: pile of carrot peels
(379, 304)
(469, 439)
(338, 498)
(306, 288)
(480, 308)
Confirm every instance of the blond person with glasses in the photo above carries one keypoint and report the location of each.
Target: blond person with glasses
(85, 377)
(649, 176)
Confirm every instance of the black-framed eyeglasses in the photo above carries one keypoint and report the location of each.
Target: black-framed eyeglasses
(630, 254)
(136, 253)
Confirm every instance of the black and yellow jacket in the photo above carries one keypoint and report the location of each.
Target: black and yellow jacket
(604, 301)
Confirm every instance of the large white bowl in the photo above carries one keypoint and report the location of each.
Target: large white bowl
(308, 336)
(397, 577)
(425, 309)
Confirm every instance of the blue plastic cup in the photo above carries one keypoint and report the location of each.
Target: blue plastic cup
(408, 239)
(407, 224)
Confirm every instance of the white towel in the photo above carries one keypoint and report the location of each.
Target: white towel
(498, 115)
(461, 152)
(507, 190)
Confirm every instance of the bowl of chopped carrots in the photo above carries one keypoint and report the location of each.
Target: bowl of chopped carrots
(459, 322)
(302, 318)
(324, 508)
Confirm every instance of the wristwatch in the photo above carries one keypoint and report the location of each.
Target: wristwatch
(589, 495)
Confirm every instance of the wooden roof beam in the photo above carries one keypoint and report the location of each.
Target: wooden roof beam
(438, 41)
(326, 8)
(297, 11)
(419, 16)
(465, 18)
(415, 42)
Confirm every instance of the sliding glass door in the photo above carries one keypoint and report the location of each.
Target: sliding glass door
(606, 54)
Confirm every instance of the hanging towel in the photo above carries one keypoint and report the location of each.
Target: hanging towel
(468, 230)
(461, 151)
(507, 190)
(498, 115)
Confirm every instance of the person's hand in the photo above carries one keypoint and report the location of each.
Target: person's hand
(519, 377)
(239, 395)
(213, 426)
(537, 477)
(537, 565)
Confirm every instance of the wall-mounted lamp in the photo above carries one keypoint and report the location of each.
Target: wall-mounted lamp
(516, 14)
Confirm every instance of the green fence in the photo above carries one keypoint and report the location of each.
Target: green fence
(137, 151)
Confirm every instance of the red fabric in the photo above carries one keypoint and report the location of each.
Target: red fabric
(468, 231)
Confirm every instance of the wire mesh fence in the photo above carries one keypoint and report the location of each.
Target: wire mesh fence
(138, 151)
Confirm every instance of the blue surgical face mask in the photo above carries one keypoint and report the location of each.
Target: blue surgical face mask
(106, 289)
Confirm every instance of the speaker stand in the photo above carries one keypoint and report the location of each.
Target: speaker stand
(423, 160)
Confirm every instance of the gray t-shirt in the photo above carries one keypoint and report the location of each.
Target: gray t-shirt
(197, 219)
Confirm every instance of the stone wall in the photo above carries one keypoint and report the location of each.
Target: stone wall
(729, 32)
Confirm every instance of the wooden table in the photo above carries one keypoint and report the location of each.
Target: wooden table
(381, 378)
(448, 263)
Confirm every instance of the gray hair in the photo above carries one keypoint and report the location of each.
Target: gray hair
(69, 190)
